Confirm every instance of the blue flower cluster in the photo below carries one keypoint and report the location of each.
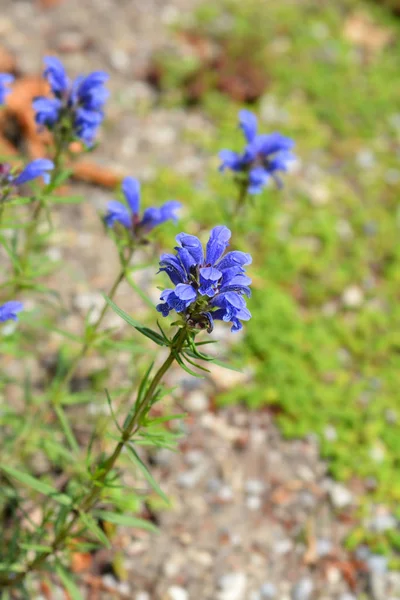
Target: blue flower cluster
(207, 287)
(128, 216)
(5, 80)
(264, 155)
(77, 105)
(9, 310)
(39, 167)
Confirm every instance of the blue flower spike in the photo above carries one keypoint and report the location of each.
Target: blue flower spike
(128, 215)
(9, 179)
(262, 158)
(9, 311)
(5, 80)
(78, 103)
(40, 167)
(208, 286)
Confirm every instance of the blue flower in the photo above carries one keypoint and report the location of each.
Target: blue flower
(128, 216)
(37, 168)
(56, 75)
(47, 111)
(76, 106)
(262, 157)
(207, 286)
(9, 311)
(5, 80)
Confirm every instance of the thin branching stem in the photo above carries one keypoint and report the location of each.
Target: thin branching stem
(93, 495)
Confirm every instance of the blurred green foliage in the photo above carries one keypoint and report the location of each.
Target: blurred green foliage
(324, 341)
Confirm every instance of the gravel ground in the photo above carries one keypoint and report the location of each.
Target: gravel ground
(253, 517)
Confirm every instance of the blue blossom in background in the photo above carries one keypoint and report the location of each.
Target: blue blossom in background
(264, 155)
(129, 217)
(5, 80)
(77, 105)
(40, 167)
(9, 310)
(207, 286)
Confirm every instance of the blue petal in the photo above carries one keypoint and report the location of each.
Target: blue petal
(186, 260)
(234, 258)
(217, 244)
(230, 160)
(47, 110)
(5, 80)
(169, 210)
(157, 215)
(186, 293)
(248, 123)
(118, 212)
(209, 276)
(9, 310)
(258, 177)
(89, 86)
(131, 190)
(193, 245)
(171, 265)
(56, 75)
(271, 143)
(37, 168)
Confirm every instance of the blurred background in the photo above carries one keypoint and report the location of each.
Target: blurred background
(287, 484)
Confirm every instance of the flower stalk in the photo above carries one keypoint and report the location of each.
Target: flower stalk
(94, 494)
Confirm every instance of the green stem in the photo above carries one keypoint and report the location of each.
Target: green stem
(241, 199)
(35, 218)
(89, 501)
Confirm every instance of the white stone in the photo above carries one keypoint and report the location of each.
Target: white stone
(232, 586)
(196, 401)
(353, 296)
(176, 592)
(340, 496)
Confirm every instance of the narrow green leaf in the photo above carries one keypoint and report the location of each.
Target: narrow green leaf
(184, 367)
(135, 458)
(36, 547)
(68, 582)
(152, 335)
(126, 520)
(35, 484)
(58, 409)
(92, 526)
(112, 411)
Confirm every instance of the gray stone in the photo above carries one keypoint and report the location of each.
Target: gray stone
(254, 487)
(377, 563)
(268, 591)
(196, 401)
(303, 589)
(383, 523)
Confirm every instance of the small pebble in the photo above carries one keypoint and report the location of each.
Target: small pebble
(268, 591)
(254, 487)
(197, 401)
(232, 586)
(253, 502)
(303, 589)
(353, 297)
(340, 496)
(177, 593)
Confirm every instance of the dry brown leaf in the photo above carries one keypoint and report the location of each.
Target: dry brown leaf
(7, 61)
